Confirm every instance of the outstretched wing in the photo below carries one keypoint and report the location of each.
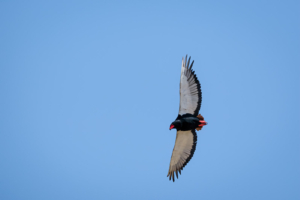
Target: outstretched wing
(185, 146)
(190, 90)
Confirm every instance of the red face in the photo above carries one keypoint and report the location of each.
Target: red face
(172, 126)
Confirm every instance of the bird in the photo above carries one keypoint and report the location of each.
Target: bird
(188, 120)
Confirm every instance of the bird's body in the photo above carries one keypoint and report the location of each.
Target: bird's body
(188, 120)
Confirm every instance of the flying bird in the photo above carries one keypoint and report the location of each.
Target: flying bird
(188, 120)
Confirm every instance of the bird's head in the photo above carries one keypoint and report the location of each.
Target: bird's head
(176, 124)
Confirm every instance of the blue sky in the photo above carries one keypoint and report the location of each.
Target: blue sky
(89, 89)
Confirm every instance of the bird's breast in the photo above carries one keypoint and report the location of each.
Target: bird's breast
(189, 124)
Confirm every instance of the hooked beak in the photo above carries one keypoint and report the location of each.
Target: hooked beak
(171, 127)
(202, 123)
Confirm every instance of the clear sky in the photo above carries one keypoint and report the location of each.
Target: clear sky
(88, 90)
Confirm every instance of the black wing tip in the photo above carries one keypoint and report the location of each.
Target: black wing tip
(187, 62)
(191, 65)
(172, 174)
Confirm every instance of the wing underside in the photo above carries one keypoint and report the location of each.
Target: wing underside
(190, 89)
(185, 146)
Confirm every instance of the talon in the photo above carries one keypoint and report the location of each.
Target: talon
(202, 123)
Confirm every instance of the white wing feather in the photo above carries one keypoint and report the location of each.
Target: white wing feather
(183, 151)
(190, 90)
